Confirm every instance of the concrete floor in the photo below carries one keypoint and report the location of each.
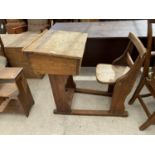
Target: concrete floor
(42, 120)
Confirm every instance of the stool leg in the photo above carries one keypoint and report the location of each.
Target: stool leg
(25, 96)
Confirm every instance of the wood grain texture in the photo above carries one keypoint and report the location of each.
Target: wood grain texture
(55, 65)
(13, 86)
(57, 53)
(14, 43)
(18, 40)
(137, 43)
(9, 73)
(25, 97)
(121, 74)
(106, 73)
(8, 89)
(62, 95)
(147, 78)
(60, 43)
(92, 113)
(3, 104)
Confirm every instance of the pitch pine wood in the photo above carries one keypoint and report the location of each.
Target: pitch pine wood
(43, 55)
(13, 85)
(57, 52)
(58, 83)
(107, 73)
(3, 104)
(8, 89)
(13, 44)
(18, 40)
(146, 80)
(121, 78)
(9, 74)
(60, 43)
(44, 64)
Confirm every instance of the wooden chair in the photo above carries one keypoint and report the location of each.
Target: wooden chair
(147, 79)
(120, 77)
(14, 89)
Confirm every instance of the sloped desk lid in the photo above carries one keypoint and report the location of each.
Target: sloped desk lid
(59, 43)
(18, 40)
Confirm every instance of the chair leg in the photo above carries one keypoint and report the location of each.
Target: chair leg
(25, 96)
(117, 106)
(150, 121)
(137, 91)
(118, 101)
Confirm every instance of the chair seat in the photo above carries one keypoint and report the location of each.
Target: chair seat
(106, 73)
(3, 61)
(8, 90)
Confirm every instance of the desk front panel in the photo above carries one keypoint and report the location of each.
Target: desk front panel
(49, 64)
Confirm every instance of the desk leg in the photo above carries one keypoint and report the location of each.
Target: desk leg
(63, 88)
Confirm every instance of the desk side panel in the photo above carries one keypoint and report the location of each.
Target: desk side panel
(16, 58)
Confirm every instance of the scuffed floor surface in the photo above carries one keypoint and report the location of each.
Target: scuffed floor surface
(42, 120)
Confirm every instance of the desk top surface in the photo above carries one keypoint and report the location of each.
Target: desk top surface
(18, 40)
(110, 29)
(59, 43)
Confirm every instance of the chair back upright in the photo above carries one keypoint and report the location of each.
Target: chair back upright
(149, 46)
(129, 78)
(148, 74)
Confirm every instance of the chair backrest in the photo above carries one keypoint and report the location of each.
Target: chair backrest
(129, 78)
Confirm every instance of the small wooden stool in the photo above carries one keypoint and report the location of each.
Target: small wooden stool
(14, 89)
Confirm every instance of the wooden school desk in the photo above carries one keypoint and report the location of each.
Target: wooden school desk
(59, 54)
(13, 44)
